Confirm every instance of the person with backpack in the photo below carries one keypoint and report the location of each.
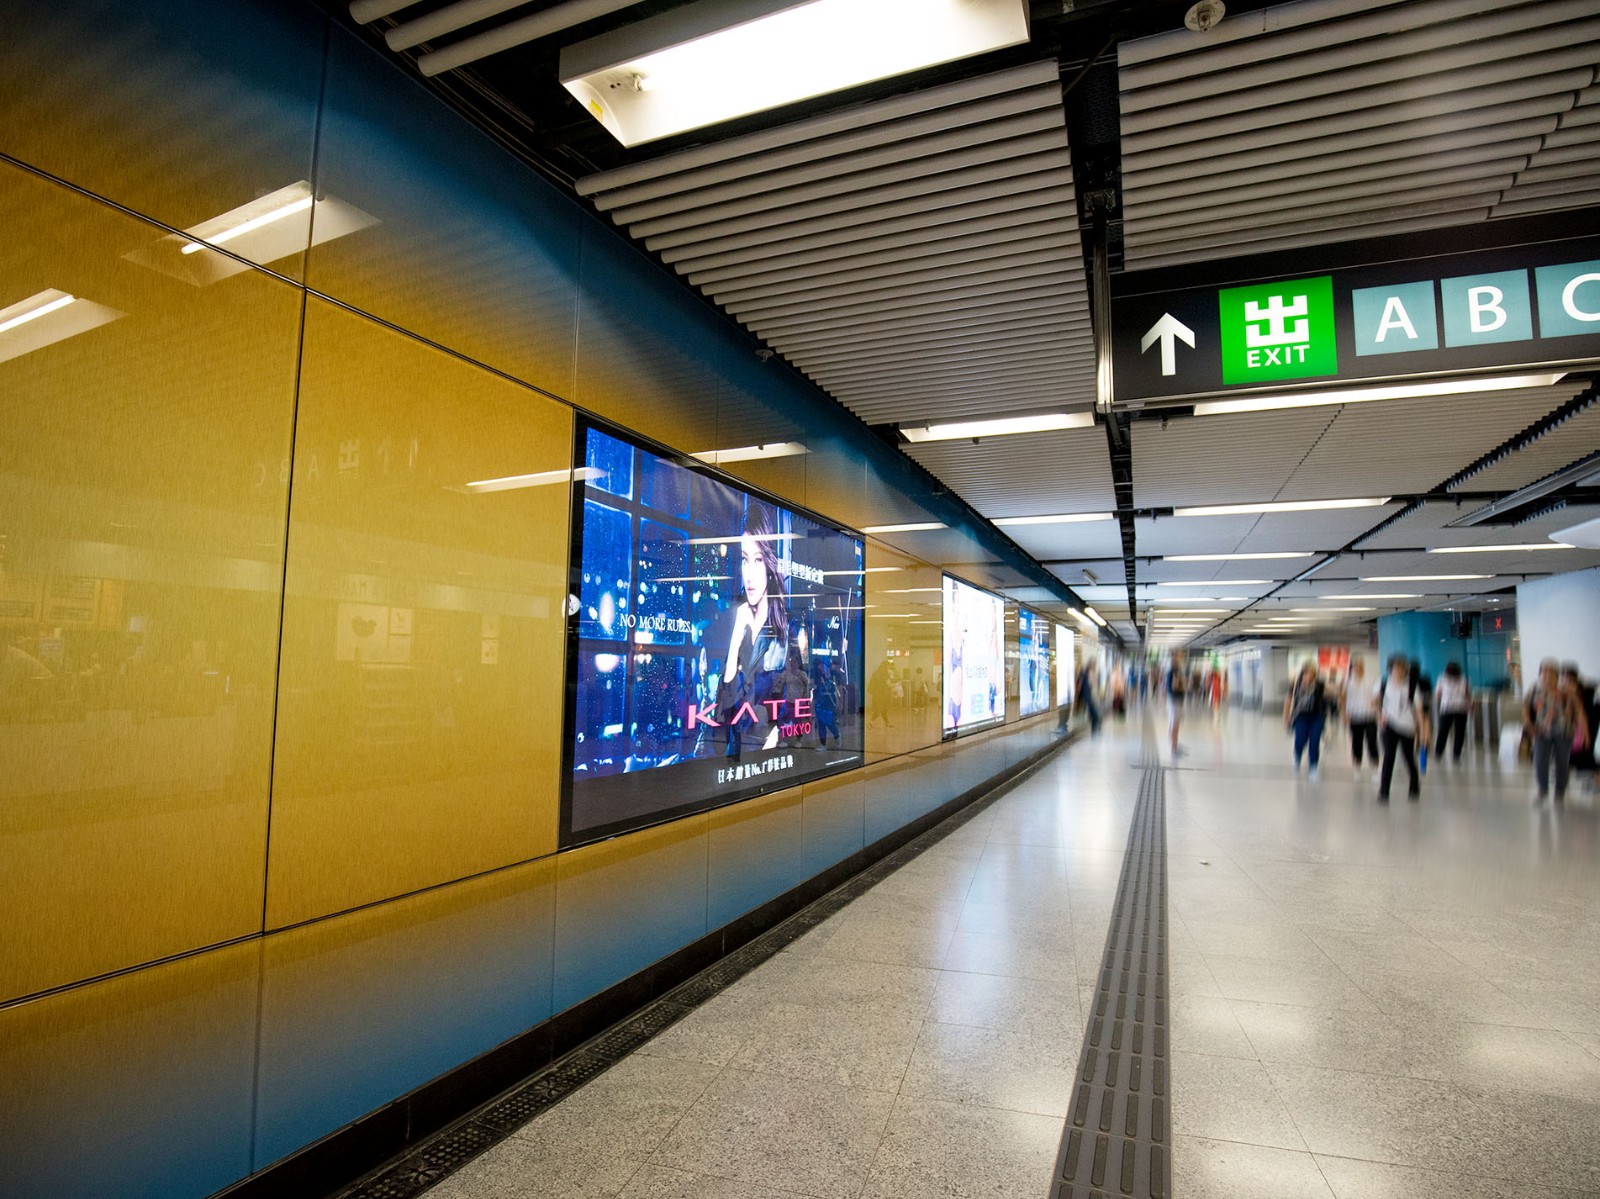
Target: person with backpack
(1452, 700)
(1305, 710)
(1402, 719)
(1554, 718)
(1361, 713)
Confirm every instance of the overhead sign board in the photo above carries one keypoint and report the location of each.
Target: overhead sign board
(1486, 311)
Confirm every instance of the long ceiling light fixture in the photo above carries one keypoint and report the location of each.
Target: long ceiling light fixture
(1065, 518)
(1220, 583)
(1002, 426)
(926, 526)
(1235, 557)
(711, 61)
(1280, 506)
(1419, 578)
(1375, 595)
(1495, 549)
(1363, 395)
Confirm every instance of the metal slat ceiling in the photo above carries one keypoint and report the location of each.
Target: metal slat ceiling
(1315, 121)
(918, 258)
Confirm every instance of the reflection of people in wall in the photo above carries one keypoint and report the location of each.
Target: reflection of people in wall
(825, 705)
(758, 650)
(880, 693)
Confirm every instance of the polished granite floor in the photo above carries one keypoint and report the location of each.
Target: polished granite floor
(1368, 1003)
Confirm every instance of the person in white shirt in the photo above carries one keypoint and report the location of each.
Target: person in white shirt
(1452, 700)
(1360, 704)
(1402, 718)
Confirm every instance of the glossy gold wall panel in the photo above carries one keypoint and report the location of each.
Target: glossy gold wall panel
(755, 852)
(460, 969)
(419, 721)
(135, 1085)
(627, 902)
(904, 652)
(141, 536)
(163, 108)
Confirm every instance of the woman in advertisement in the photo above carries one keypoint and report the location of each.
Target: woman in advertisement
(758, 649)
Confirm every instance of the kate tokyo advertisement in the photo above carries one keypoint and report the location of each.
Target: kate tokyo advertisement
(714, 642)
(974, 658)
(1033, 661)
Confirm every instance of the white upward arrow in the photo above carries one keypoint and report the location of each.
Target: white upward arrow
(1170, 330)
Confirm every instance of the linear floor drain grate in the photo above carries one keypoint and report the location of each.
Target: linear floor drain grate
(1119, 1131)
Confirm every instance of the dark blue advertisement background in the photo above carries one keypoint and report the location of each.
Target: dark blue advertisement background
(686, 692)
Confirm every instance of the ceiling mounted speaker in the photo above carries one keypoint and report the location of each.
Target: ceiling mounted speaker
(1205, 15)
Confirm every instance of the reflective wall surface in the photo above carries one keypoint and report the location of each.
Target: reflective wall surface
(281, 694)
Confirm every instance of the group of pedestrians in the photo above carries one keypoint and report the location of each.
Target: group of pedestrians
(1396, 718)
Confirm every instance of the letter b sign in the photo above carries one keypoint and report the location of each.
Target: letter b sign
(1486, 308)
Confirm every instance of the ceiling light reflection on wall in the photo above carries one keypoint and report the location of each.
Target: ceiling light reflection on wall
(47, 317)
(917, 527)
(541, 478)
(1363, 395)
(714, 60)
(750, 453)
(999, 427)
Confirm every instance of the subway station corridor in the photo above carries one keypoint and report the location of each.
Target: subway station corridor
(1366, 1003)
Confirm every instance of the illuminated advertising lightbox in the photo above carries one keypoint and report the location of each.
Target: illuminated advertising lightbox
(1033, 662)
(714, 641)
(1066, 666)
(974, 658)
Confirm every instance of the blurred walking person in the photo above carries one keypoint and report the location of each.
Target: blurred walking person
(1452, 701)
(1402, 720)
(1361, 714)
(1305, 711)
(1554, 717)
(1176, 688)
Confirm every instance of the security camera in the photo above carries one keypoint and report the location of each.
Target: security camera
(1205, 15)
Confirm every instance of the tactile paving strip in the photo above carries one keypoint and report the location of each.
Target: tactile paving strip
(449, 1150)
(1118, 1138)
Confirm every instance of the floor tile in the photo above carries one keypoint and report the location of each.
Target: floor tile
(1226, 1099)
(996, 953)
(663, 1182)
(1019, 1071)
(1305, 983)
(870, 1050)
(815, 1138)
(1206, 1169)
(1015, 1004)
(1207, 1024)
(1354, 1179)
(942, 1150)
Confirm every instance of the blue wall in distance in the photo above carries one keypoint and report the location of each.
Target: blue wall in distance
(1426, 637)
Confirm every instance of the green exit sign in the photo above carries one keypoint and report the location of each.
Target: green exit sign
(1276, 331)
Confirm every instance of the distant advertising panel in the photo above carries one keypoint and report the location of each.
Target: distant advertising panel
(714, 641)
(1033, 661)
(974, 658)
(1066, 666)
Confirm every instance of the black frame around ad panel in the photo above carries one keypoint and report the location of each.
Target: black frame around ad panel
(683, 693)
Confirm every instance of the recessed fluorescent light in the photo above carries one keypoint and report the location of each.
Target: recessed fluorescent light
(865, 570)
(538, 479)
(747, 453)
(1419, 578)
(1494, 549)
(922, 527)
(689, 67)
(1184, 612)
(1319, 611)
(1220, 583)
(735, 540)
(31, 309)
(221, 236)
(999, 427)
(1362, 395)
(1279, 506)
(1374, 595)
(1095, 616)
(1234, 557)
(1066, 518)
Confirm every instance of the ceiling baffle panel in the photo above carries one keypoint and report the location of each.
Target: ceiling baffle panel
(918, 258)
(1315, 121)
